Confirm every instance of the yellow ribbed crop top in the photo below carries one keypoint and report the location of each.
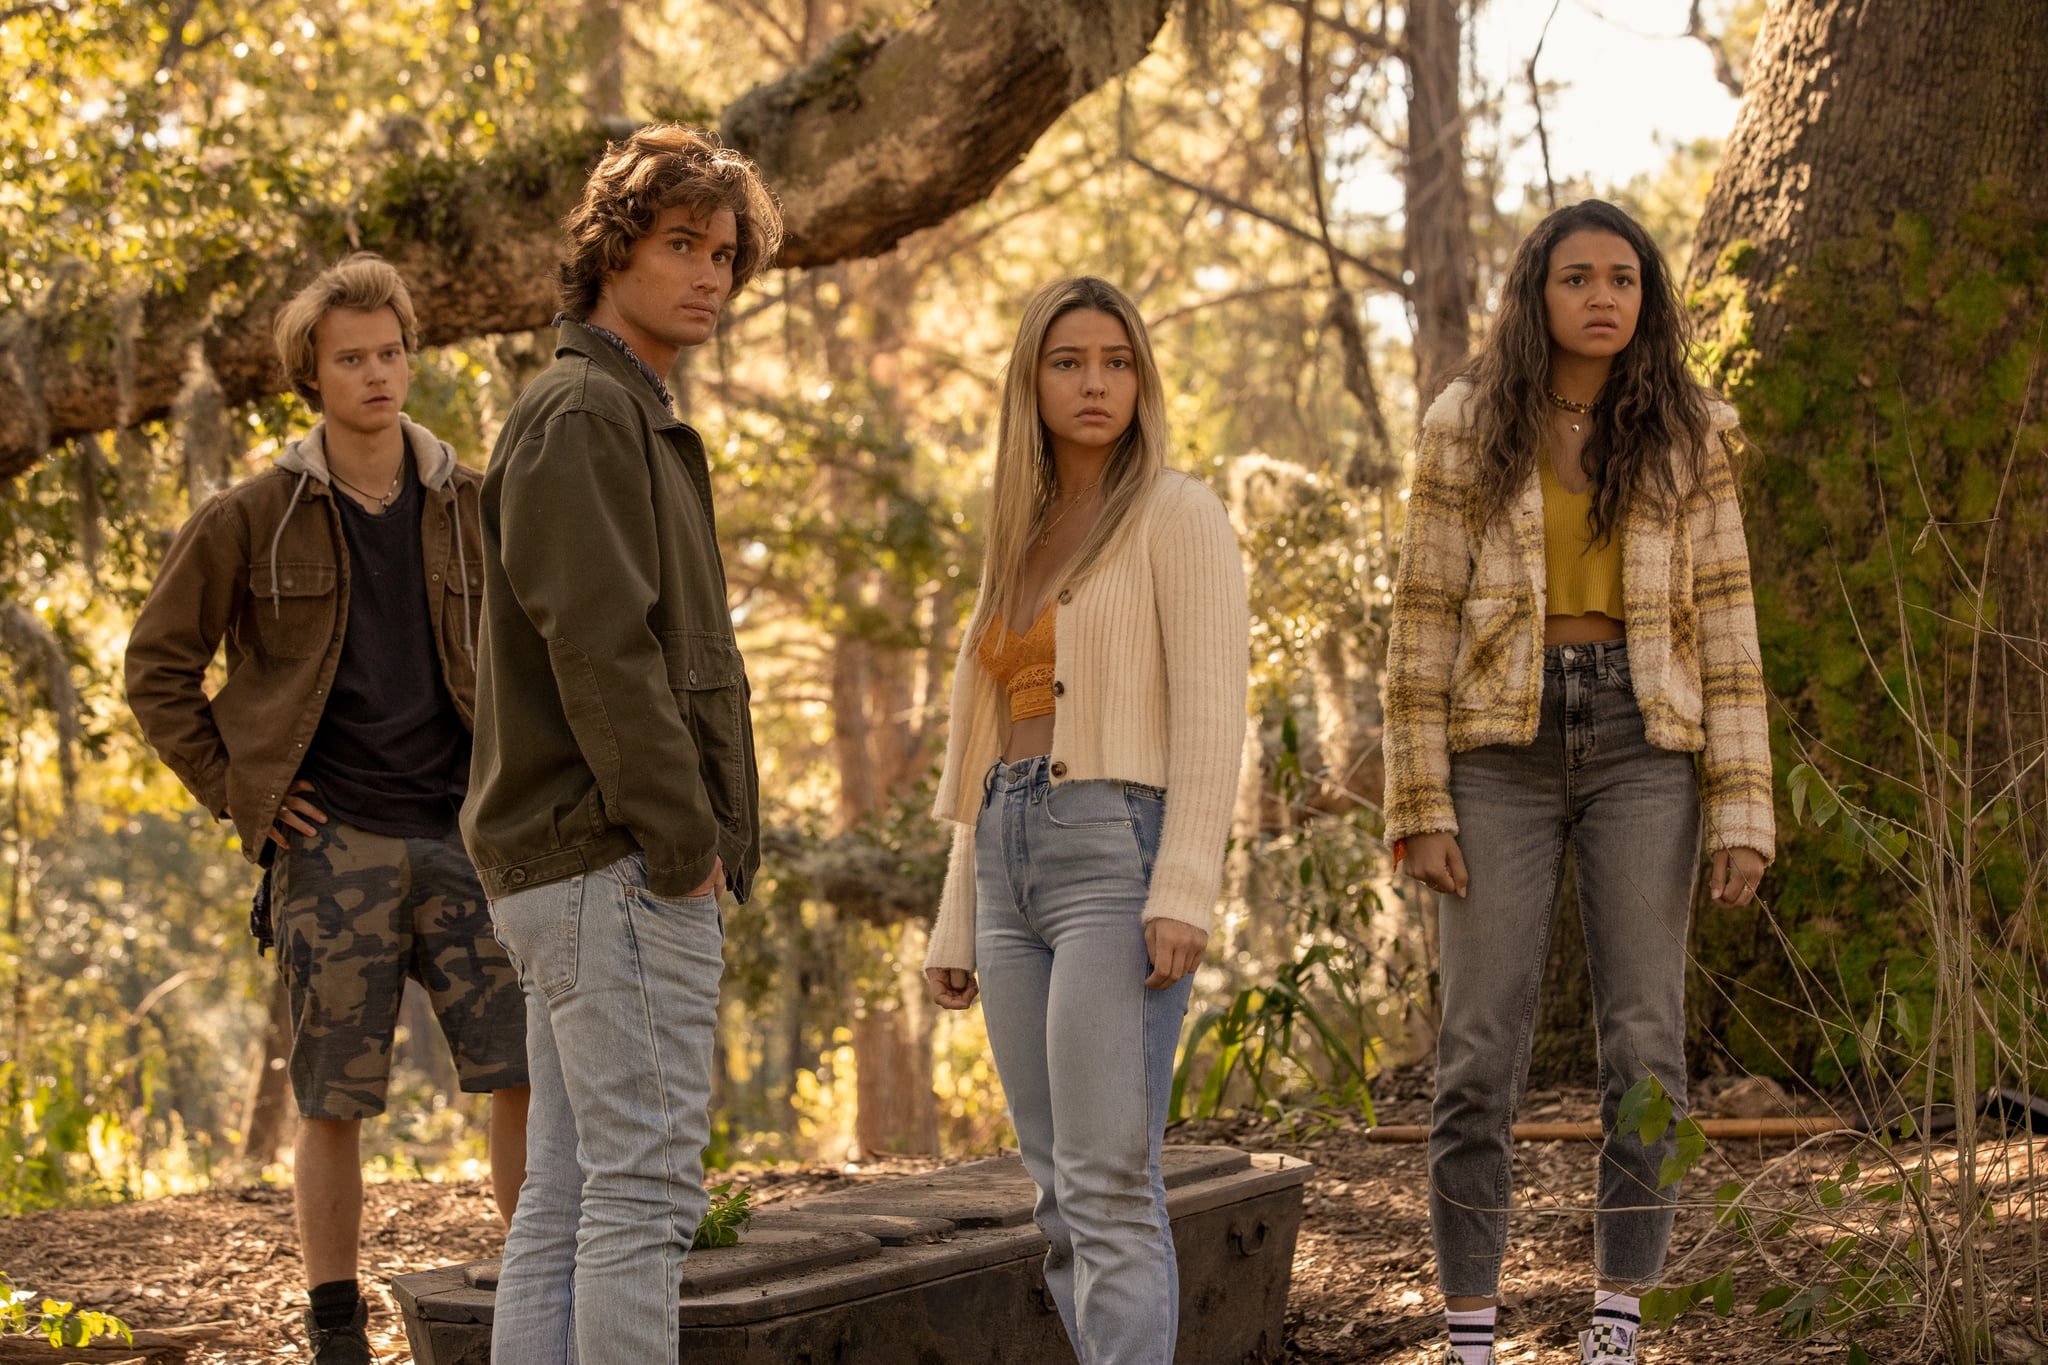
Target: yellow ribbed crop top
(1579, 576)
(1023, 664)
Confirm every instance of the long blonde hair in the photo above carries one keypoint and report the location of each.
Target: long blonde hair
(1025, 479)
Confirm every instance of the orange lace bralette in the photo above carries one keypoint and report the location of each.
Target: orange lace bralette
(1022, 664)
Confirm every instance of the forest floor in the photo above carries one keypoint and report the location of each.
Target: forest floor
(1363, 1286)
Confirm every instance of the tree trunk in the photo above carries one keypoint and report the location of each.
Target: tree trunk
(1437, 234)
(422, 1047)
(886, 132)
(603, 35)
(267, 1112)
(1869, 270)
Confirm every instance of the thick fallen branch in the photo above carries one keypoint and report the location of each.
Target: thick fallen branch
(166, 1346)
(1590, 1129)
(878, 137)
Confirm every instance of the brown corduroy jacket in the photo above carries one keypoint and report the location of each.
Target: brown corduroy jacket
(263, 568)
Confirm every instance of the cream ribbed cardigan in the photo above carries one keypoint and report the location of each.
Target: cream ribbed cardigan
(1152, 652)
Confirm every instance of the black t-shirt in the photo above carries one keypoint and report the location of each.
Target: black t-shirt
(391, 755)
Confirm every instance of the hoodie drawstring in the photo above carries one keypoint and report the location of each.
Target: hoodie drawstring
(276, 605)
(462, 576)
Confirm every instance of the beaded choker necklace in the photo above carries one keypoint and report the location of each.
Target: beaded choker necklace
(1558, 400)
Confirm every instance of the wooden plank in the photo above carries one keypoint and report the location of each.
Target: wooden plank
(1589, 1129)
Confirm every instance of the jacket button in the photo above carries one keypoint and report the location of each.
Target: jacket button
(1066, 596)
(517, 876)
(1059, 689)
(1059, 770)
(693, 677)
(434, 577)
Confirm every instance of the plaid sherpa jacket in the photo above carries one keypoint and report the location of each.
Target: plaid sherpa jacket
(1465, 657)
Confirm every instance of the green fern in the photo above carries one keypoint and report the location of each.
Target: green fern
(730, 1211)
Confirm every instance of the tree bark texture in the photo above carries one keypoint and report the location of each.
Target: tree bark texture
(1438, 227)
(1871, 273)
(268, 1115)
(881, 135)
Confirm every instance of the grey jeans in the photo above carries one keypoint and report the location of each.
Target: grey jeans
(1631, 813)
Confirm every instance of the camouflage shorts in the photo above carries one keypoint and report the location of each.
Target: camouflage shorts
(356, 914)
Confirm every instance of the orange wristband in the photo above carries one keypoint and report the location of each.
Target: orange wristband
(1400, 851)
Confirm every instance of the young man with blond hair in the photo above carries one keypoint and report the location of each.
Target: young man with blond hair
(345, 582)
(614, 785)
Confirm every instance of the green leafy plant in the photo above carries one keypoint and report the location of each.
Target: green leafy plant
(731, 1210)
(1867, 1217)
(61, 1324)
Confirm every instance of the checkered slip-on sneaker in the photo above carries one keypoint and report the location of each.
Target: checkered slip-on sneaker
(1451, 1356)
(1606, 1344)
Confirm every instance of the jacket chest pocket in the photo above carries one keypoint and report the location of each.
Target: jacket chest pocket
(708, 681)
(462, 606)
(293, 609)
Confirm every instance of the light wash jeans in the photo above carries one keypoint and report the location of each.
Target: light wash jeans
(1084, 1050)
(621, 1001)
(1632, 814)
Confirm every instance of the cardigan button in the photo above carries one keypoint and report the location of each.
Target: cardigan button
(1059, 770)
(1059, 689)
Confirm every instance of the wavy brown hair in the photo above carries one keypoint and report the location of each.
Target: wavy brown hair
(1650, 420)
(663, 166)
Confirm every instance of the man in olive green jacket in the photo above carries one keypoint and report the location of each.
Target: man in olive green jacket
(612, 794)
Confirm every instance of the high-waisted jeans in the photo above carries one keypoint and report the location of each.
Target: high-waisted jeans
(1631, 813)
(1084, 1049)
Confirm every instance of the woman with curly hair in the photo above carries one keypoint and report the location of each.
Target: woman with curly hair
(1573, 666)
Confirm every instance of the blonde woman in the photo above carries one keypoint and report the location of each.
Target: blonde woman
(1098, 718)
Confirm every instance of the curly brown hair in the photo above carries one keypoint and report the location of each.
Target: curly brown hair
(1649, 408)
(364, 281)
(663, 166)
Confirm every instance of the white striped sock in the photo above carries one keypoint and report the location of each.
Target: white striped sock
(1472, 1334)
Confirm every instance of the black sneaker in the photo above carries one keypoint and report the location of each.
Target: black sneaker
(348, 1345)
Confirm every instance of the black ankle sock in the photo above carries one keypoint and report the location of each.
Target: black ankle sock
(334, 1303)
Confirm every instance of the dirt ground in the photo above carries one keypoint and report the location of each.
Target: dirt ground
(1363, 1284)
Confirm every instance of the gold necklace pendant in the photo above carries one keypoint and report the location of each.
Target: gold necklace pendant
(1558, 400)
(1045, 536)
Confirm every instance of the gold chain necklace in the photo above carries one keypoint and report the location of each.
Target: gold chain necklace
(1559, 400)
(1046, 535)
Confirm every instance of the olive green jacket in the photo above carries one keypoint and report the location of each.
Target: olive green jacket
(611, 706)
